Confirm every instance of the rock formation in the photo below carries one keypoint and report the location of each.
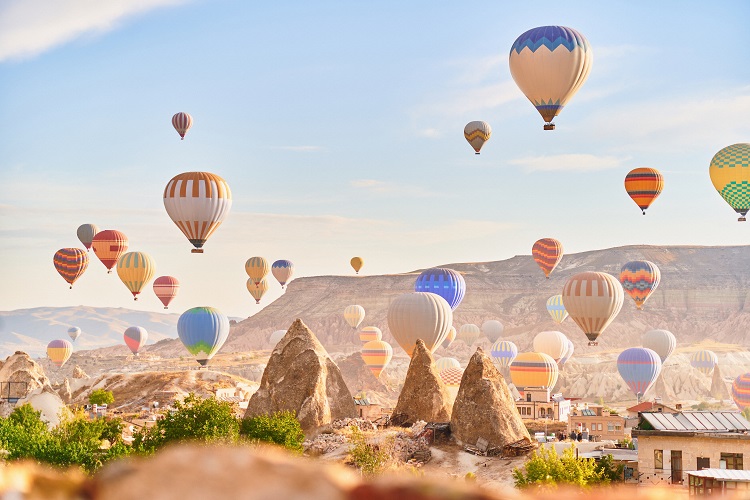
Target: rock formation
(19, 367)
(49, 403)
(484, 407)
(424, 396)
(719, 388)
(79, 373)
(358, 376)
(63, 390)
(301, 377)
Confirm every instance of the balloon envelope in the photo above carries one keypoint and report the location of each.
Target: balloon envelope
(74, 333)
(552, 343)
(276, 336)
(203, 330)
(468, 333)
(419, 315)
(282, 270)
(59, 351)
(644, 185)
(556, 308)
(86, 233)
(492, 329)
(503, 353)
(443, 363)
(547, 253)
(477, 133)
(452, 376)
(447, 283)
(369, 333)
(450, 337)
(70, 263)
(135, 337)
(257, 268)
(376, 355)
(166, 288)
(593, 300)
(704, 361)
(533, 369)
(135, 269)
(357, 263)
(568, 354)
(662, 342)
(108, 246)
(730, 175)
(257, 291)
(639, 279)
(182, 122)
(354, 315)
(639, 367)
(741, 391)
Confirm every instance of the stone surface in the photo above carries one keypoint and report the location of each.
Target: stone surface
(359, 378)
(79, 373)
(719, 388)
(19, 367)
(301, 377)
(63, 390)
(49, 403)
(484, 407)
(424, 396)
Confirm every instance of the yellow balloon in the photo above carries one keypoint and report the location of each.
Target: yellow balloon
(357, 263)
(135, 269)
(534, 369)
(257, 268)
(257, 291)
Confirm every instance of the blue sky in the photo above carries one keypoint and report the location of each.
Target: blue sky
(338, 126)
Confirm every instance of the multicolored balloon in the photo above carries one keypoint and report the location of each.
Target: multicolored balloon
(135, 337)
(552, 343)
(109, 245)
(593, 300)
(257, 291)
(377, 354)
(354, 315)
(257, 268)
(477, 133)
(730, 175)
(639, 279)
(71, 263)
(741, 391)
(86, 233)
(444, 363)
(492, 329)
(568, 354)
(450, 337)
(59, 351)
(468, 333)
(447, 283)
(135, 269)
(282, 270)
(357, 263)
(503, 353)
(556, 308)
(182, 123)
(534, 369)
(419, 315)
(369, 333)
(704, 360)
(166, 288)
(74, 332)
(549, 64)
(203, 330)
(662, 342)
(276, 336)
(639, 367)
(644, 185)
(547, 253)
(197, 202)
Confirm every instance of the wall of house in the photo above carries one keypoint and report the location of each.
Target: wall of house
(576, 421)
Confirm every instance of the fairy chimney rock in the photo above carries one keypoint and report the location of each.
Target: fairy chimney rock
(302, 378)
(29, 375)
(484, 407)
(718, 386)
(424, 396)
(79, 373)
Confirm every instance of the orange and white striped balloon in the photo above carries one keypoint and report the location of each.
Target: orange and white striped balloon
(593, 300)
(182, 123)
(197, 202)
(377, 354)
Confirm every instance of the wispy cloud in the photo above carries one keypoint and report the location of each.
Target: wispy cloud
(302, 149)
(568, 162)
(29, 27)
(390, 189)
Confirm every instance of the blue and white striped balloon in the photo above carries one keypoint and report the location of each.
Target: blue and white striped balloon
(447, 283)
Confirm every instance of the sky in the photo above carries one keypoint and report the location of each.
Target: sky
(339, 128)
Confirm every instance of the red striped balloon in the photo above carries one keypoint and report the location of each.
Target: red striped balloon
(547, 253)
(182, 123)
(643, 186)
(166, 288)
(108, 246)
(71, 263)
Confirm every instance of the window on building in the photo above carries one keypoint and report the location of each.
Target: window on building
(610, 427)
(732, 460)
(541, 412)
(601, 427)
(658, 459)
(528, 397)
(549, 412)
(703, 463)
(618, 427)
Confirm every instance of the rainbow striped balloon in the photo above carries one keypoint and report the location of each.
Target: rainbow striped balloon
(556, 308)
(71, 263)
(704, 361)
(644, 185)
(639, 279)
(639, 367)
(547, 253)
(376, 355)
(503, 353)
(59, 351)
(369, 333)
(534, 369)
(741, 391)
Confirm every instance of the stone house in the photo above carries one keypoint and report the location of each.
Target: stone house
(601, 423)
(536, 403)
(651, 406)
(669, 444)
(367, 409)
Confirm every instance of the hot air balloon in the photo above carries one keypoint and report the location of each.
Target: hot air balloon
(730, 175)
(59, 351)
(357, 263)
(376, 355)
(503, 353)
(447, 283)
(547, 253)
(477, 133)
(135, 337)
(556, 309)
(443, 363)
(469, 333)
(568, 354)
(135, 269)
(492, 329)
(593, 300)
(704, 360)
(662, 342)
(86, 233)
(257, 291)
(197, 202)
(108, 246)
(639, 279)
(354, 315)
(182, 123)
(552, 343)
(74, 333)
(741, 391)
(282, 270)
(549, 64)
(203, 330)
(533, 369)
(639, 367)
(419, 315)
(450, 337)
(451, 377)
(257, 268)
(166, 288)
(276, 336)
(70, 263)
(369, 333)
(643, 186)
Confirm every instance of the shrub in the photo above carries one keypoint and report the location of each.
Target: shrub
(281, 428)
(746, 413)
(101, 397)
(546, 469)
(369, 458)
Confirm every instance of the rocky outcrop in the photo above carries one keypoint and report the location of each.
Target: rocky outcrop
(63, 390)
(358, 376)
(79, 373)
(424, 395)
(484, 407)
(301, 377)
(49, 403)
(719, 388)
(19, 367)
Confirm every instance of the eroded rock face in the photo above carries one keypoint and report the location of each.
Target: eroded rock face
(484, 406)
(719, 388)
(19, 367)
(79, 373)
(358, 376)
(424, 396)
(301, 377)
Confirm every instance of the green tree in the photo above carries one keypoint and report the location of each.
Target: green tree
(23, 433)
(369, 458)
(280, 428)
(101, 397)
(547, 469)
(609, 469)
(746, 413)
(194, 418)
